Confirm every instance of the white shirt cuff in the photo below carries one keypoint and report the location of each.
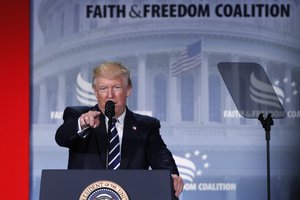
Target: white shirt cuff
(81, 131)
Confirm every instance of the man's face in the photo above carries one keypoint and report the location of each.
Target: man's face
(111, 89)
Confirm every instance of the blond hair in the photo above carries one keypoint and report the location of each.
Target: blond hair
(111, 70)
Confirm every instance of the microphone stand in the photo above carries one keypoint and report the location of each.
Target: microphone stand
(108, 140)
(266, 124)
(109, 112)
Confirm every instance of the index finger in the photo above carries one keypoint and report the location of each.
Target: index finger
(95, 113)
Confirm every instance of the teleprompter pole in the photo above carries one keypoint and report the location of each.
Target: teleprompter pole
(266, 124)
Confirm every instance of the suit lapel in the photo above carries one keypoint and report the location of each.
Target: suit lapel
(101, 138)
(128, 132)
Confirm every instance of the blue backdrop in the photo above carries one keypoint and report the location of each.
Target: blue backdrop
(172, 49)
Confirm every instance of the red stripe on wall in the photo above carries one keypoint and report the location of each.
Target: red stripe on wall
(14, 95)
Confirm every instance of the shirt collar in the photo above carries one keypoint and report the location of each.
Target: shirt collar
(120, 119)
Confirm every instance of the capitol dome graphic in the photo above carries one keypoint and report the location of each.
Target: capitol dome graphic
(173, 64)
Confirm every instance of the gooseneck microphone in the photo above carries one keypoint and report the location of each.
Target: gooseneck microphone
(110, 113)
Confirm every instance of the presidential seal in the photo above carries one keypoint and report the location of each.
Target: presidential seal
(103, 190)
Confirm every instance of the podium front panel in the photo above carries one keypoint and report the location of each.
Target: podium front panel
(138, 184)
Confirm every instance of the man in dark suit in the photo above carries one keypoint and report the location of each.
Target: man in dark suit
(140, 145)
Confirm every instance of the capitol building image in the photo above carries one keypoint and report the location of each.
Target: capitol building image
(199, 120)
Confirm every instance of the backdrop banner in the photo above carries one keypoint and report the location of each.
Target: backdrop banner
(172, 49)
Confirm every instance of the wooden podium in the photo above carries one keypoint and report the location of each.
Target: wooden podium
(106, 184)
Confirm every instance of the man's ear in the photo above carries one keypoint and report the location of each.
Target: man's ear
(94, 89)
(129, 89)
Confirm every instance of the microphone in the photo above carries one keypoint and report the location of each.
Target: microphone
(110, 109)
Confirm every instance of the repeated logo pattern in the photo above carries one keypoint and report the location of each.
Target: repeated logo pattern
(186, 165)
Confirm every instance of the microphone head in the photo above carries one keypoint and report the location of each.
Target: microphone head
(110, 109)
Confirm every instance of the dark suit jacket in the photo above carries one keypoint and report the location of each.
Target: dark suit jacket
(142, 145)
